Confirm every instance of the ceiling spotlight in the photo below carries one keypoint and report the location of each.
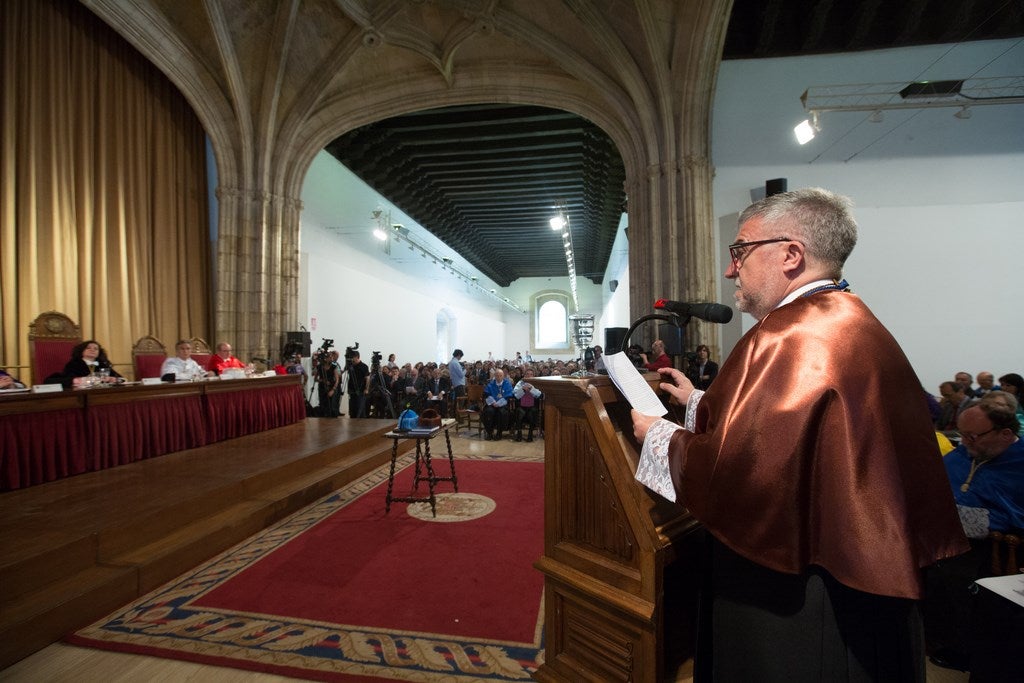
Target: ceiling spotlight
(380, 234)
(804, 132)
(557, 223)
(963, 113)
(806, 129)
(876, 116)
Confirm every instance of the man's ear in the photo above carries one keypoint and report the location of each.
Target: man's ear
(795, 257)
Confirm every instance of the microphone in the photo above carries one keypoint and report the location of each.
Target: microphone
(713, 313)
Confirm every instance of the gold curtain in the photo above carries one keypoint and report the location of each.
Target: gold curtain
(104, 197)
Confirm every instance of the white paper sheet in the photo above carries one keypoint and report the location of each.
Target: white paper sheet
(1010, 587)
(633, 385)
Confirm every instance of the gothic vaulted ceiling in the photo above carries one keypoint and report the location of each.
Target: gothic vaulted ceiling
(486, 179)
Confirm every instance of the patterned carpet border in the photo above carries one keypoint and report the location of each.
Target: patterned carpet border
(165, 622)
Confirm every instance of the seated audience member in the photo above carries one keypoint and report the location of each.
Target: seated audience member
(9, 382)
(391, 362)
(934, 407)
(496, 395)
(528, 411)
(435, 388)
(293, 366)
(965, 380)
(661, 359)
(88, 365)
(986, 476)
(1008, 401)
(1013, 384)
(986, 383)
(181, 366)
(223, 360)
(599, 359)
(954, 401)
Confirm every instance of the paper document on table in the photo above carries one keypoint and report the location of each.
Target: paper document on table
(633, 385)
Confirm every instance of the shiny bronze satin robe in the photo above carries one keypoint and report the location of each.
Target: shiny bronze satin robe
(814, 447)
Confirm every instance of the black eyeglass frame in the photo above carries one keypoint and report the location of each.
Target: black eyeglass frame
(967, 436)
(737, 250)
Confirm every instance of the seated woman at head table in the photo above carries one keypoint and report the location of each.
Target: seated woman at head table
(9, 382)
(88, 366)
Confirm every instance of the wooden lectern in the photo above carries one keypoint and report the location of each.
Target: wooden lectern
(620, 562)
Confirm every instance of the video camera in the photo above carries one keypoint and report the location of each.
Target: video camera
(350, 353)
(376, 358)
(323, 351)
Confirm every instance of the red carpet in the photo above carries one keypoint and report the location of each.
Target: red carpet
(345, 591)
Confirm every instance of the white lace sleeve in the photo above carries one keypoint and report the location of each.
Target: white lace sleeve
(690, 422)
(653, 470)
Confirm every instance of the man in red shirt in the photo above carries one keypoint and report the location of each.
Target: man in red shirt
(222, 360)
(661, 359)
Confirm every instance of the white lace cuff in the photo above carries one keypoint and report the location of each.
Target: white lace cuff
(653, 470)
(690, 421)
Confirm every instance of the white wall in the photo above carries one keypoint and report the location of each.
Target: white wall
(939, 200)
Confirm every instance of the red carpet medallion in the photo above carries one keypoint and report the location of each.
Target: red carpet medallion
(342, 591)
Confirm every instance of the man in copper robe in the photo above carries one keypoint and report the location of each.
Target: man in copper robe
(812, 464)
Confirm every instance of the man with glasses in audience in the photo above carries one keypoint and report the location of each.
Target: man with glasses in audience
(812, 464)
(986, 474)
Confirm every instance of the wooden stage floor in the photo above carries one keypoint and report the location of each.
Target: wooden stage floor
(75, 548)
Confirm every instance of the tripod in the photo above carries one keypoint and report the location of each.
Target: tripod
(382, 387)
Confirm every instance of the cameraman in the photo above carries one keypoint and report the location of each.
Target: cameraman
(328, 383)
(358, 384)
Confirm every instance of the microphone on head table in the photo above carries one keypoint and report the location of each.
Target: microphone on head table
(713, 313)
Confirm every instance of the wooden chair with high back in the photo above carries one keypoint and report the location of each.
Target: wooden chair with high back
(469, 409)
(1006, 551)
(201, 351)
(51, 338)
(148, 356)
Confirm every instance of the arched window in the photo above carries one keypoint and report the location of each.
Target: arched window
(551, 321)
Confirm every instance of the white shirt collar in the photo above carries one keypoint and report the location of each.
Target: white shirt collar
(799, 291)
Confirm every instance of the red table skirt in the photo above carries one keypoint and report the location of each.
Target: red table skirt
(43, 439)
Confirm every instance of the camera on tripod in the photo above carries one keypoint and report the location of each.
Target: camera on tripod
(350, 353)
(375, 359)
(323, 351)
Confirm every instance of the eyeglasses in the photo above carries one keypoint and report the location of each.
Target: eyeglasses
(967, 436)
(738, 250)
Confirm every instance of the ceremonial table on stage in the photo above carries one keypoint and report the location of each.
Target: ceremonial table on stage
(53, 435)
(423, 438)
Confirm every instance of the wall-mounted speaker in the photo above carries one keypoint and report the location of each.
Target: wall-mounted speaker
(300, 338)
(613, 285)
(774, 186)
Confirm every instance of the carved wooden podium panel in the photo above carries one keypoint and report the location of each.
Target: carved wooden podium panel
(620, 562)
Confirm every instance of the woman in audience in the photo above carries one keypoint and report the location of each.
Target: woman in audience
(88, 365)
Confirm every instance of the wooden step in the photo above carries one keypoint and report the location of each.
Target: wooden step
(197, 504)
(40, 617)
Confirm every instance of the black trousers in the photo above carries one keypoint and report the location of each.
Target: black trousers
(761, 625)
(495, 417)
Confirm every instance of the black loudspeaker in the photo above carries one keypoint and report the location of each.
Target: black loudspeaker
(300, 338)
(613, 337)
(774, 186)
(613, 285)
(673, 338)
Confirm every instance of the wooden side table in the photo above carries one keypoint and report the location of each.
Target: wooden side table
(423, 462)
